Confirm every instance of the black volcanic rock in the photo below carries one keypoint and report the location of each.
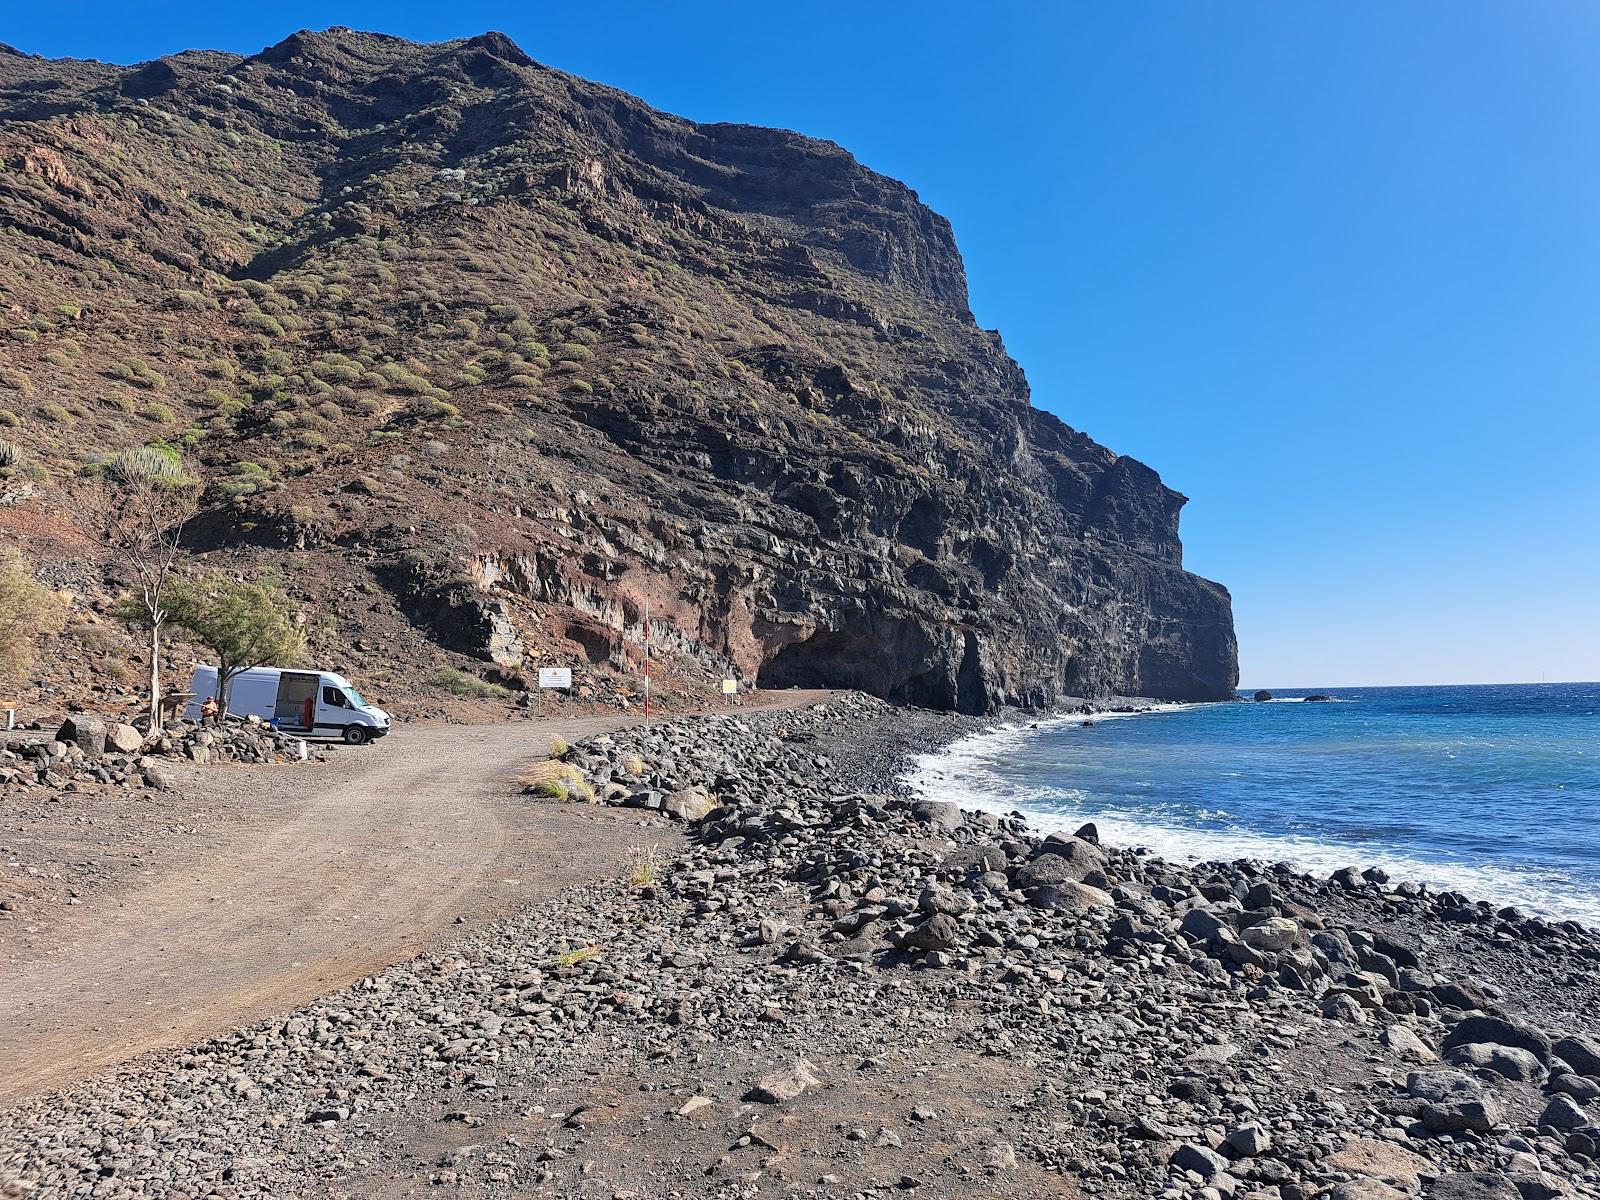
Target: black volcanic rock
(437, 314)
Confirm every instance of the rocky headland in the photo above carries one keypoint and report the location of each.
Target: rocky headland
(495, 366)
(815, 984)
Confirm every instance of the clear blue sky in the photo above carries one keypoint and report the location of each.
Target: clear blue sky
(1334, 270)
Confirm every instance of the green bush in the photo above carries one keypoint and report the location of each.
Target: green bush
(191, 301)
(159, 413)
(437, 408)
(260, 322)
(9, 419)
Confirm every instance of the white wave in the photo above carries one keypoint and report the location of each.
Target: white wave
(971, 772)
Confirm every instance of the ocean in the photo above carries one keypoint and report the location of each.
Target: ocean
(1491, 790)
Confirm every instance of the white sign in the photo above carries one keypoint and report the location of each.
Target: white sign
(730, 687)
(555, 677)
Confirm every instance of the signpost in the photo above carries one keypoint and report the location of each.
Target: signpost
(10, 706)
(555, 677)
(730, 689)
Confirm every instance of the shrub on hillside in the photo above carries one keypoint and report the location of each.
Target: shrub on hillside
(468, 685)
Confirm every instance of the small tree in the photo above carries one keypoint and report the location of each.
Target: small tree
(244, 624)
(140, 504)
(28, 611)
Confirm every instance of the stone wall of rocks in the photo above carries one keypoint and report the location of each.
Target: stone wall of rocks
(87, 750)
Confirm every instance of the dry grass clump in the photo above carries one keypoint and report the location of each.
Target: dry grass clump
(643, 864)
(467, 685)
(556, 780)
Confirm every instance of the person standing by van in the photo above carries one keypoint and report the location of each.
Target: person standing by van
(209, 711)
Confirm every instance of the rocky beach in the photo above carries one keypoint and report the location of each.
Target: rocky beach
(808, 982)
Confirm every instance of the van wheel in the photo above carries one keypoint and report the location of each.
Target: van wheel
(355, 735)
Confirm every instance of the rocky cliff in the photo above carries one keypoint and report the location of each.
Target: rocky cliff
(508, 357)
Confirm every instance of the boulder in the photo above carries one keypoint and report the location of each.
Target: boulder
(784, 1084)
(1363, 1189)
(1473, 1185)
(1201, 924)
(1263, 696)
(1482, 1028)
(1406, 1045)
(1460, 1113)
(1454, 1102)
(1510, 1062)
(1564, 1113)
(1202, 1160)
(1247, 1141)
(938, 932)
(1382, 1161)
(688, 804)
(937, 898)
(1272, 936)
(86, 732)
(1069, 896)
(1581, 1053)
(1462, 993)
(124, 738)
(1581, 1088)
(1059, 860)
(941, 814)
(157, 778)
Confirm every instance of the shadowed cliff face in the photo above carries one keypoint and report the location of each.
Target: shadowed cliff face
(523, 342)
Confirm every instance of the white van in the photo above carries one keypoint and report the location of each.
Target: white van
(316, 704)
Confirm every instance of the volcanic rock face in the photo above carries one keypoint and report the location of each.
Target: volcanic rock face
(447, 317)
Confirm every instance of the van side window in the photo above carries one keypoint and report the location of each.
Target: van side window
(333, 696)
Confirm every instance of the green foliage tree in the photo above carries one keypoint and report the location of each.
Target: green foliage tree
(244, 624)
(28, 611)
(139, 505)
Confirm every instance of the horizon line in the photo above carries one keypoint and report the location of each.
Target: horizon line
(1480, 683)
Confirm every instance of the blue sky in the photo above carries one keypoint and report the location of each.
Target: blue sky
(1333, 270)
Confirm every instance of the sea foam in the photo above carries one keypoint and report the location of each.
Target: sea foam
(974, 772)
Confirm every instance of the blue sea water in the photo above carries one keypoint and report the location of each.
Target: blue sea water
(1492, 790)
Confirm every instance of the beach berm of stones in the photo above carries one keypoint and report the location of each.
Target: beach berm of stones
(827, 986)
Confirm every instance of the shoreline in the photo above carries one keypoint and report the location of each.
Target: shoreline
(1534, 888)
(834, 990)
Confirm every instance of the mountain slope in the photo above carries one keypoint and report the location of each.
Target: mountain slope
(509, 355)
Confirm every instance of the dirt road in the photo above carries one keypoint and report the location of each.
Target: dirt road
(392, 844)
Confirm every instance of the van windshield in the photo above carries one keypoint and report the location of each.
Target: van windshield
(356, 697)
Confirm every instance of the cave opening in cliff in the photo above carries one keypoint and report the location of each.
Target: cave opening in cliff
(898, 662)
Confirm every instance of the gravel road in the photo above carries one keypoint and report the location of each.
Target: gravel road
(361, 862)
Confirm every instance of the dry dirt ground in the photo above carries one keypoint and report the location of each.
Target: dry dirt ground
(294, 882)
